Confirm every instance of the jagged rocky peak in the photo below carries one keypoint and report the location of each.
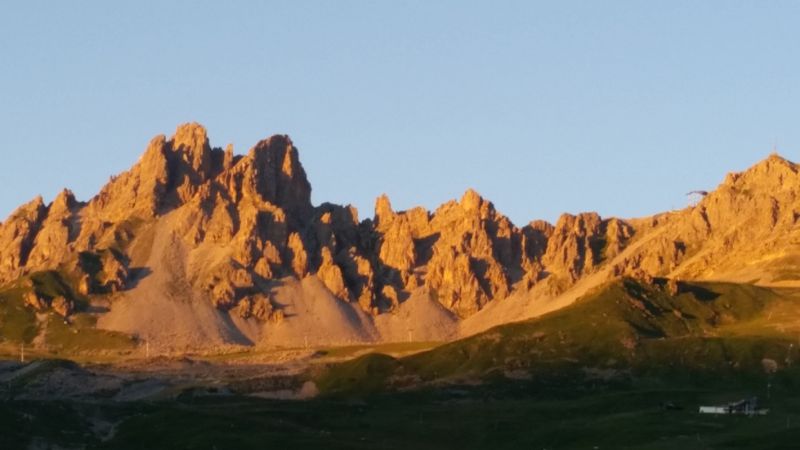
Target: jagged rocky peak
(33, 208)
(274, 174)
(769, 189)
(473, 201)
(253, 214)
(457, 252)
(137, 192)
(773, 171)
(172, 172)
(55, 232)
(191, 163)
(64, 202)
(744, 230)
(577, 244)
(383, 210)
(17, 235)
(191, 140)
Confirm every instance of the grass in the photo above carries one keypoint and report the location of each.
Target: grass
(500, 416)
(365, 375)
(467, 420)
(625, 329)
(81, 336)
(17, 322)
(19, 325)
(389, 348)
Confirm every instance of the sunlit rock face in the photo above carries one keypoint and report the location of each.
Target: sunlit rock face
(227, 228)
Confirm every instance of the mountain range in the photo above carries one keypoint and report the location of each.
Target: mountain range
(196, 247)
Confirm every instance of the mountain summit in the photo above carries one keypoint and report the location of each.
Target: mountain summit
(195, 246)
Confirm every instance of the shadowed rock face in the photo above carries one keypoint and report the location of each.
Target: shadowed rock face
(244, 222)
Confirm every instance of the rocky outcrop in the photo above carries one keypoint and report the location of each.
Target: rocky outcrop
(55, 233)
(101, 272)
(17, 237)
(579, 244)
(258, 306)
(396, 244)
(41, 303)
(360, 278)
(297, 255)
(745, 230)
(462, 253)
(331, 276)
(36, 301)
(62, 306)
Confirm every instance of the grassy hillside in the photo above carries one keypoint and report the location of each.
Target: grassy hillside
(623, 330)
(50, 333)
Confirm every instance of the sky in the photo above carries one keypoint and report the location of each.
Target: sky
(619, 107)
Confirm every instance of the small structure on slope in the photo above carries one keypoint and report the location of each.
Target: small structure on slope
(747, 406)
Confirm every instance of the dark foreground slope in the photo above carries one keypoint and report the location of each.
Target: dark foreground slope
(498, 415)
(505, 417)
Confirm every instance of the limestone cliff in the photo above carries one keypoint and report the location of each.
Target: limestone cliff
(746, 230)
(201, 224)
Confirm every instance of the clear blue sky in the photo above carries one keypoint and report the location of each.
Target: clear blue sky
(620, 107)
